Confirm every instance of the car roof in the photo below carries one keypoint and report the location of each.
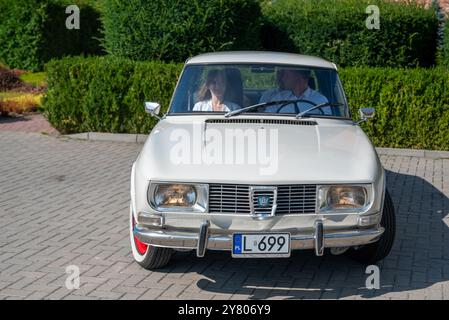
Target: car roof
(263, 57)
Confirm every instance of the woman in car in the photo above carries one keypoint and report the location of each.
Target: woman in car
(212, 92)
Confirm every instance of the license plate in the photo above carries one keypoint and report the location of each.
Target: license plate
(260, 245)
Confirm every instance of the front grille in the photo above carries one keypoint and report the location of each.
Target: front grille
(296, 199)
(229, 198)
(291, 199)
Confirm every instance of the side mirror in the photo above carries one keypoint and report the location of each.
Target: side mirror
(153, 108)
(365, 114)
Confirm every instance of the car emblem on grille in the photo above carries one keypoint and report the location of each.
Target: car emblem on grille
(263, 201)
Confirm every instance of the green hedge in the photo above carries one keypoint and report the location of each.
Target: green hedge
(412, 105)
(106, 94)
(34, 31)
(175, 30)
(336, 30)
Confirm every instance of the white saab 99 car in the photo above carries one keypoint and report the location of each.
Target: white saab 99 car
(258, 155)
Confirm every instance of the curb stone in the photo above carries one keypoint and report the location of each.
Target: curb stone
(141, 138)
(104, 136)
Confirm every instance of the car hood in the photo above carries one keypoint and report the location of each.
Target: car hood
(328, 151)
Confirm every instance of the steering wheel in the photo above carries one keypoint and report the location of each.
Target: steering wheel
(313, 104)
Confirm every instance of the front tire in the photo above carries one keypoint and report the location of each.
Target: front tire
(378, 250)
(149, 257)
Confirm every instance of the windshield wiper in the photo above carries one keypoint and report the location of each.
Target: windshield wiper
(265, 104)
(330, 104)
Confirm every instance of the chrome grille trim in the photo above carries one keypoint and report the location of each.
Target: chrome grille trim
(235, 199)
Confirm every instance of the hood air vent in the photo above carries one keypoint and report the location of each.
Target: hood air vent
(265, 121)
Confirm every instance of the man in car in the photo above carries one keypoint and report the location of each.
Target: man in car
(296, 85)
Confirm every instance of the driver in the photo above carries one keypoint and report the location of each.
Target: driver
(296, 85)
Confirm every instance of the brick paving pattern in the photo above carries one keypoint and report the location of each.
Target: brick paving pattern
(27, 123)
(65, 202)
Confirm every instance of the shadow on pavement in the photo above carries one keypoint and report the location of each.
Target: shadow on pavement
(11, 119)
(419, 258)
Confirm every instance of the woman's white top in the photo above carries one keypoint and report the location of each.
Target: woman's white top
(206, 105)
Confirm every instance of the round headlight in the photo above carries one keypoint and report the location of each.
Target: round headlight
(174, 195)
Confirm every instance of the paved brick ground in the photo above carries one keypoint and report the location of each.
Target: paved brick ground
(27, 123)
(65, 202)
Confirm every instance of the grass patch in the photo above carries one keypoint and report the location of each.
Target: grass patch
(37, 79)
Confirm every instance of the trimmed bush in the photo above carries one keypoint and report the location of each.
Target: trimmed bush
(106, 94)
(336, 30)
(412, 105)
(175, 30)
(34, 31)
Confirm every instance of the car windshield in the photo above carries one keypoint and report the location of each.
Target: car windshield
(225, 88)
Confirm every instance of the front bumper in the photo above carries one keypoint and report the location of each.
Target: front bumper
(202, 239)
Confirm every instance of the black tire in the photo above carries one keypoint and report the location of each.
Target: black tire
(378, 250)
(153, 257)
(156, 258)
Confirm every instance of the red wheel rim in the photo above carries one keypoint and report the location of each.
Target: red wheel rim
(140, 246)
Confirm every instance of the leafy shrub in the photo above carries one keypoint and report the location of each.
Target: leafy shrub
(175, 30)
(106, 94)
(412, 105)
(336, 30)
(34, 31)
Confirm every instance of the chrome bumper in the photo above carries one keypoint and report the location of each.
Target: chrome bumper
(203, 239)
